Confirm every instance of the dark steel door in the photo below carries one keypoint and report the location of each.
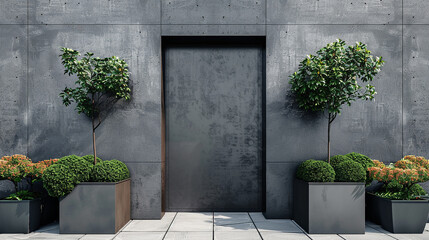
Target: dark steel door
(213, 107)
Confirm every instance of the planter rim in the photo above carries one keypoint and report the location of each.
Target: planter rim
(103, 183)
(332, 183)
(400, 201)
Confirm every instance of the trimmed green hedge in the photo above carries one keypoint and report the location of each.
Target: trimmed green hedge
(110, 171)
(90, 159)
(59, 180)
(78, 166)
(349, 171)
(363, 160)
(315, 171)
(337, 159)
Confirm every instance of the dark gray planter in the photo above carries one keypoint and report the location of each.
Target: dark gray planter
(372, 208)
(19, 216)
(337, 207)
(398, 216)
(96, 208)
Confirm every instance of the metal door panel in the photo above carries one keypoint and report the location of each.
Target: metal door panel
(213, 109)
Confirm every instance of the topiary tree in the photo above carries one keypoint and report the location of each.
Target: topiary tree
(332, 77)
(100, 82)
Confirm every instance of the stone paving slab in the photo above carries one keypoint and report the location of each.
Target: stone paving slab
(140, 236)
(324, 237)
(218, 226)
(189, 236)
(231, 218)
(151, 225)
(192, 222)
(277, 226)
(237, 235)
(274, 235)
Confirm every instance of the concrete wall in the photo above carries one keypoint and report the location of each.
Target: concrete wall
(33, 120)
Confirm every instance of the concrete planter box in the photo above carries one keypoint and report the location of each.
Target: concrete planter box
(96, 208)
(334, 208)
(398, 216)
(19, 216)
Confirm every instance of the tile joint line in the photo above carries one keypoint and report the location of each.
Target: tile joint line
(255, 225)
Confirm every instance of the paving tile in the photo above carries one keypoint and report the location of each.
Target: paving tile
(189, 236)
(377, 228)
(98, 237)
(194, 215)
(150, 225)
(274, 235)
(423, 236)
(239, 235)
(140, 236)
(55, 236)
(192, 222)
(231, 218)
(370, 234)
(324, 237)
(241, 227)
(257, 216)
(51, 228)
(15, 236)
(286, 226)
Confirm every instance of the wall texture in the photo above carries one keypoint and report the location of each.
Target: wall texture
(33, 121)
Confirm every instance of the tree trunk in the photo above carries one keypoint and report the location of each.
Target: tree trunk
(93, 130)
(329, 138)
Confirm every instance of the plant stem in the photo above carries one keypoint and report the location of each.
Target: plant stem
(329, 138)
(93, 130)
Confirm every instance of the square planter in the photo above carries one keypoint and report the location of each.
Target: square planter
(19, 216)
(96, 208)
(398, 216)
(372, 208)
(329, 208)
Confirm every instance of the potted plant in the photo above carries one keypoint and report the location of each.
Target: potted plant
(93, 199)
(24, 210)
(331, 78)
(330, 198)
(398, 205)
(94, 194)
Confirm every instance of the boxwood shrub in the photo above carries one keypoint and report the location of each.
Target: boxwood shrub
(349, 171)
(337, 159)
(110, 171)
(363, 160)
(78, 166)
(315, 171)
(90, 159)
(59, 180)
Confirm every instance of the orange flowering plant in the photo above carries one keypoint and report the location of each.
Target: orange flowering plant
(19, 167)
(406, 172)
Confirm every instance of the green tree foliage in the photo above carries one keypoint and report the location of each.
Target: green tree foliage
(99, 82)
(333, 77)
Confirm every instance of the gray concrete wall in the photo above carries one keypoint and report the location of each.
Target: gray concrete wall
(33, 120)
